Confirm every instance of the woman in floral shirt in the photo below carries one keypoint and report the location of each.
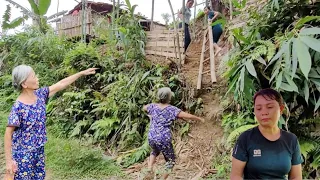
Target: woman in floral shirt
(162, 115)
(25, 134)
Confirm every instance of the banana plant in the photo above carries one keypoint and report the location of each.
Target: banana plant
(38, 10)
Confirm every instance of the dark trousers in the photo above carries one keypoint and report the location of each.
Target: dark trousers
(187, 38)
(216, 31)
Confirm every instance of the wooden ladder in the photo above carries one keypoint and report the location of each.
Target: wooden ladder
(207, 55)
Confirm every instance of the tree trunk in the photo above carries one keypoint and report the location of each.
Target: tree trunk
(176, 32)
(37, 20)
(152, 13)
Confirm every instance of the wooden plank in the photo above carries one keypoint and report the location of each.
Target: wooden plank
(212, 61)
(165, 54)
(201, 62)
(163, 39)
(163, 49)
(160, 35)
(163, 43)
(165, 31)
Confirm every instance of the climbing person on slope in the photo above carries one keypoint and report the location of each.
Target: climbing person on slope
(25, 134)
(162, 115)
(216, 29)
(186, 16)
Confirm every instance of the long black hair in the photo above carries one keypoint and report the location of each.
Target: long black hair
(208, 7)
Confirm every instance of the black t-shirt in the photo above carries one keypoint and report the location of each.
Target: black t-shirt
(267, 159)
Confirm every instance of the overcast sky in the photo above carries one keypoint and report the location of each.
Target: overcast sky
(144, 7)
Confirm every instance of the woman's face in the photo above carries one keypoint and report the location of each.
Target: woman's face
(206, 11)
(32, 81)
(267, 111)
(190, 4)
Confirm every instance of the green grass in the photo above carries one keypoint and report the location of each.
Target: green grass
(70, 159)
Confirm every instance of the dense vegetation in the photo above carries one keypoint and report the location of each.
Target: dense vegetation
(104, 110)
(278, 47)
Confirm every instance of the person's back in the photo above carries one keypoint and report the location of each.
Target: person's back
(162, 117)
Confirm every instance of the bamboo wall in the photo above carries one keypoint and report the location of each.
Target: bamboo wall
(162, 43)
(70, 25)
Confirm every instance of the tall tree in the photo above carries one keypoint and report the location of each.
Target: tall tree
(166, 17)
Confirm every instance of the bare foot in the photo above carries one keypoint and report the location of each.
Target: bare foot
(165, 176)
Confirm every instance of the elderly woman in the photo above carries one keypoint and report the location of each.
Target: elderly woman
(162, 115)
(25, 134)
(216, 29)
(267, 152)
(186, 16)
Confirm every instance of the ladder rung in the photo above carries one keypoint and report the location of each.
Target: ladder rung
(206, 59)
(206, 72)
(206, 49)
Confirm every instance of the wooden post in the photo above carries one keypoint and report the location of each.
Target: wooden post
(118, 8)
(152, 13)
(230, 10)
(58, 6)
(206, 17)
(177, 34)
(183, 11)
(212, 61)
(113, 13)
(194, 19)
(83, 24)
(201, 59)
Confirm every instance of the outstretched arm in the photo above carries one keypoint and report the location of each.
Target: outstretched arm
(185, 115)
(64, 83)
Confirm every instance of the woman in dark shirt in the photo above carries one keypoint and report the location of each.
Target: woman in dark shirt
(216, 29)
(266, 151)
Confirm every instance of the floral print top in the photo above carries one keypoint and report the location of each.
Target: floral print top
(161, 120)
(30, 123)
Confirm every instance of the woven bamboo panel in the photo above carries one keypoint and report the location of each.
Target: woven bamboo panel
(163, 43)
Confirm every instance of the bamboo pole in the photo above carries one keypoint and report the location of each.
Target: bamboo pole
(231, 10)
(212, 60)
(83, 24)
(176, 32)
(58, 6)
(113, 13)
(118, 8)
(201, 59)
(152, 13)
(194, 20)
(183, 14)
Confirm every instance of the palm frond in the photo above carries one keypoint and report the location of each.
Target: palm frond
(310, 147)
(236, 133)
(23, 9)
